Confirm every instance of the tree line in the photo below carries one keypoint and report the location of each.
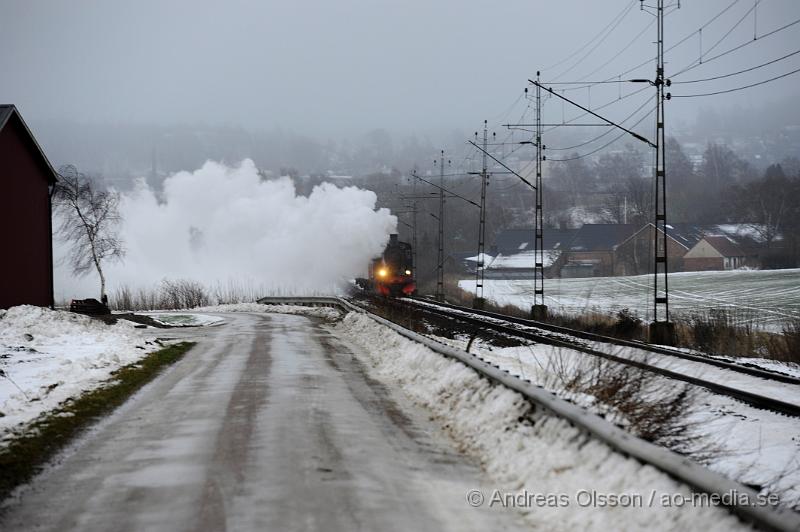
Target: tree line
(615, 187)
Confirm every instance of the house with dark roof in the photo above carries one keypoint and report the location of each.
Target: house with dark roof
(518, 240)
(512, 255)
(591, 251)
(718, 252)
(634, 255)
(28, 179)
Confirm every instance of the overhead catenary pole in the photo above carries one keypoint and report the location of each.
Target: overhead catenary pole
(539, 309)
(480, 265)
(440, 252)
(413, 207)
(414, 236)
(442, 194)
(661, 330)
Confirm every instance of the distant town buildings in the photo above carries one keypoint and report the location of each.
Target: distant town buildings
(602, 250)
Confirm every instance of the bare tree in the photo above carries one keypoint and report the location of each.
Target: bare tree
(767, 204)
(89, 220)
(639, 192)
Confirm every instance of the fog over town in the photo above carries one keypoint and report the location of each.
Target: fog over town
(357, 86)
(361, 92)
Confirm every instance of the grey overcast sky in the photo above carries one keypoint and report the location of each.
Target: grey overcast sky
(322, 66)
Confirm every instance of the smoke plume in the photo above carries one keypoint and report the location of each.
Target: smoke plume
(223, 224)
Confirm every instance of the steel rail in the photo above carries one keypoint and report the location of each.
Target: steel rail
(741, 368)
(750, 398)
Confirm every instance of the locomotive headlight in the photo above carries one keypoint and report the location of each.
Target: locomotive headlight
(408, 272)
(382, 272)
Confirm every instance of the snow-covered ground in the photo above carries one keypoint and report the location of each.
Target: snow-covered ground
(769, 298)
(56, 355)
(526, 452)
(753, 446)
(319, 312)
(49, 356)
(184, 319)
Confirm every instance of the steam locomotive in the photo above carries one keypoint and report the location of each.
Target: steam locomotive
(391, 274)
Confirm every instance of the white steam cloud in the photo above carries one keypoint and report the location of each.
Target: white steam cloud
(221, 225)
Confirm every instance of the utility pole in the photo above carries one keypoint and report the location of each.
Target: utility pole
(413, 206)
(414, 237)
(539, 309)
(440, 252)
(412, 210)
(480, 265)
(443, 193)
(662, 331)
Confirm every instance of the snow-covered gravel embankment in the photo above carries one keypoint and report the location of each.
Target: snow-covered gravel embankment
(527, 450)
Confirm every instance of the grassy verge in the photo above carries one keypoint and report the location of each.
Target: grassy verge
(49, 433)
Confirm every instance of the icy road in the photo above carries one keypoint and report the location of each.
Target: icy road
(269, 423)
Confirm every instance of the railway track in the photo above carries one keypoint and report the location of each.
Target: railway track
(678, 466)
(715, 378)
(738, 367)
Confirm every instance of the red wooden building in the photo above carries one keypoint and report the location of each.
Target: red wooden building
(26, 244)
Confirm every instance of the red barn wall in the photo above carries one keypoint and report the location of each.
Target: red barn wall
(25, 233)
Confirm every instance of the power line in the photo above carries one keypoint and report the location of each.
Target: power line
(604, 146)
(608, 32)
(737, 88)
(604, 134)
(598, 108)
(700, 59)
(695, 64)
(444, 190)
(680, 42)
(690, 67)
(582, 48)
(615, 56)
(604, 119)
(498, 161)
(740, 71)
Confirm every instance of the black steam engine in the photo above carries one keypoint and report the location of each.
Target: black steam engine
(391, 274)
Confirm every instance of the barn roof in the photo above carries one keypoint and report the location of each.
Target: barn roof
(687, 235)
(8, 113)
(516, 240)
(601, 237)
(726, 246)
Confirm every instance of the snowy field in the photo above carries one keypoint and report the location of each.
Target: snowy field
(49, 356)
(769, 298)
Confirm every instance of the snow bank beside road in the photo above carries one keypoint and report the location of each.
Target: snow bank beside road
(319, 312)
(183, 319)
(526, 450)
(49, 356)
